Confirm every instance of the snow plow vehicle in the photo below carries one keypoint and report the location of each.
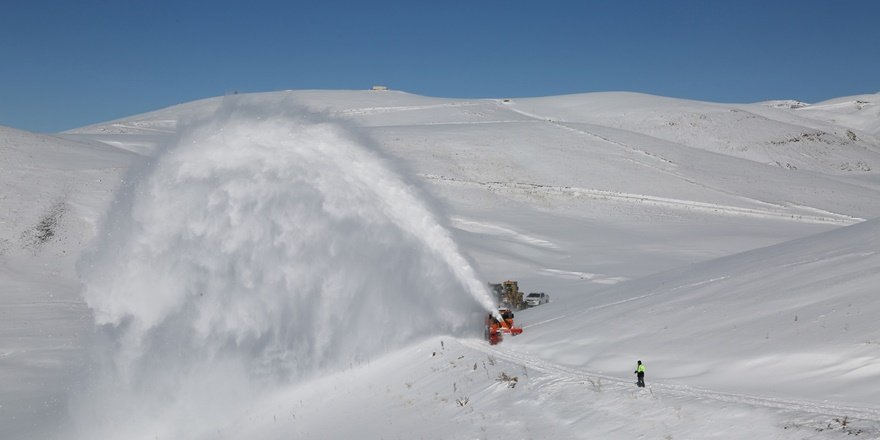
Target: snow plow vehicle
(496, 329)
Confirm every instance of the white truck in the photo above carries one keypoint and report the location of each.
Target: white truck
(536, 299)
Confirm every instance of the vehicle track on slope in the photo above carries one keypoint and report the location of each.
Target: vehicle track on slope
(405, 108)
(644, 199)
(662, 164)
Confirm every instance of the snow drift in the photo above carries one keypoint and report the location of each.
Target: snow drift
(263, 246)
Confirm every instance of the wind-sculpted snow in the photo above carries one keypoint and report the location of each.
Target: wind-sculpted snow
(261, 248)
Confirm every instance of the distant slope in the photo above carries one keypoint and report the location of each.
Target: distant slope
(44, 177)
(52, 194)
(779, 137)
(797, 319)
(860, 112)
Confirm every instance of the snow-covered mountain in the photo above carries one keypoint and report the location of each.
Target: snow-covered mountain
(312, 264)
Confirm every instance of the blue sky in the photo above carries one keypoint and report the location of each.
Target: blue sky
(65, 64)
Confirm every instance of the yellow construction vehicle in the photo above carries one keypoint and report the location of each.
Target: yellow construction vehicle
(508, 295)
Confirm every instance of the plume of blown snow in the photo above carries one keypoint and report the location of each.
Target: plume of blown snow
(260, 248)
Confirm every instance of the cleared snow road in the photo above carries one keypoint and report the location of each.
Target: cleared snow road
(617, 384)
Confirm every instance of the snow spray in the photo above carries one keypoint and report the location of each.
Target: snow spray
(262, 247)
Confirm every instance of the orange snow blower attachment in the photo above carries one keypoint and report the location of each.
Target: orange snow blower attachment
(496, 329)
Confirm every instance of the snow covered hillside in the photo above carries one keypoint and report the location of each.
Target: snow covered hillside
(313, 264)
(53, 194)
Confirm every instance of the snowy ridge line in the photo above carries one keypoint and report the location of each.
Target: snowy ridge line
(845, 104)
(575, 375)
(690, 205)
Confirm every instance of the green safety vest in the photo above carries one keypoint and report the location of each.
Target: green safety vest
(641, 368)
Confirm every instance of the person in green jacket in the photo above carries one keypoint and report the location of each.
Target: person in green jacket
(640, 373)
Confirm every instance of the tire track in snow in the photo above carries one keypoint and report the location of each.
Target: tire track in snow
(618, 384)
(622, 145)
(665, 202)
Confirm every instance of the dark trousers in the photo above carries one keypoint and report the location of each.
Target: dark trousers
(641, 376)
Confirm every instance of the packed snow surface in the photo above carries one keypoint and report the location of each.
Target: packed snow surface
(313, 264)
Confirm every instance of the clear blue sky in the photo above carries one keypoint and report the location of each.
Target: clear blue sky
(65, 64)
